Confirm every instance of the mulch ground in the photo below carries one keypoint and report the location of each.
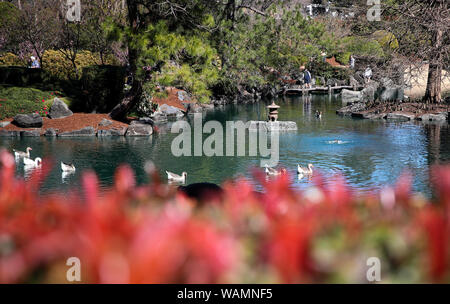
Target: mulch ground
(172, 99)
(75, 122)
(413, 108)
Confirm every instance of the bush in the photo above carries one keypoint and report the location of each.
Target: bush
(149, 234)
(60, 67)
(22, 76)
(9, 59)
(16, 100)
(102, 88)
(323, 69)
(343, 58)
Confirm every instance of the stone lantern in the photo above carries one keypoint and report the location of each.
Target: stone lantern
(273, 111)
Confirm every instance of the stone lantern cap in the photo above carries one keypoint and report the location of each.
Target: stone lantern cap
(273, 106)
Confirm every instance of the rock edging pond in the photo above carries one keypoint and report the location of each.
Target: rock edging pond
(78, 125)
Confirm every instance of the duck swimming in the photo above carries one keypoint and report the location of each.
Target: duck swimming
(274, 172)
(176, 178)
(21, 154)
(28, 162)
(67, 167)
(305, 171)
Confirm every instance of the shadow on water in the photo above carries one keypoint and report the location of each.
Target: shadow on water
(369, 154)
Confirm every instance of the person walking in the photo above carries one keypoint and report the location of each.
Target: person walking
(307, 79)
(352, 62)
(368, 74)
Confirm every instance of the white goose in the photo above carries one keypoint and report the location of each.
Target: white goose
(274, 172)
(67, 167)
(305, 171)
(21, 154)
(172, 177)
(28, 162)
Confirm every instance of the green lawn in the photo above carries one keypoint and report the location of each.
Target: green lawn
(17, 100)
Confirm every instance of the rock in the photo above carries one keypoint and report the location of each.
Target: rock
(391, 93)
(351, 96)
(51, 132)
(112, 132)
(272, 126)
(59, 109)
(353, 82)
(88, 131)
(192, 108)
(31, 133)
(441, 117)
(183, 96)
(167, 111)
(28, 120)
(105, 123)
(350, 109)
(144, 120)
(400, 116)
(4, 124)
(7, 133)
(139, 129)
(207, 106)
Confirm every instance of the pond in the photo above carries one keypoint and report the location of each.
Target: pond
(369, 154)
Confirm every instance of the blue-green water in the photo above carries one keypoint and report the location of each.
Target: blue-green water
(372, 154)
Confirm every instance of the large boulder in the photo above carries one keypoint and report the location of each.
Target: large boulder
(85, 132)
(31, 133)
(8, 133)
(350, 109)
(349, 96)
(28, 120)
(51, 132)
(137, 128)
(441, 117)
(59, 109)
(400, 116)
(112, 132)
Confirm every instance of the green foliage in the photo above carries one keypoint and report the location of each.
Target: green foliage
(362, 46)
(18, 100)
(10, 59)
(387, 40)
(60, 67)
(343, 58)
(256, 49)
(102, 88)
(323, 69)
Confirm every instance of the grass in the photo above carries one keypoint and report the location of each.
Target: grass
(18, 100)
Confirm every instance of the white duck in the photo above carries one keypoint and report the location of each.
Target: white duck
(172, 177)
(305, 171)
(274, 172)
(67, 167)
(21, 154)
(28, 162)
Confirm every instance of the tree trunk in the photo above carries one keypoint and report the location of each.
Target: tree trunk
(433, 91)
(134, 95)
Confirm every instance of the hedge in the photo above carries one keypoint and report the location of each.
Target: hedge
(102, 87)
